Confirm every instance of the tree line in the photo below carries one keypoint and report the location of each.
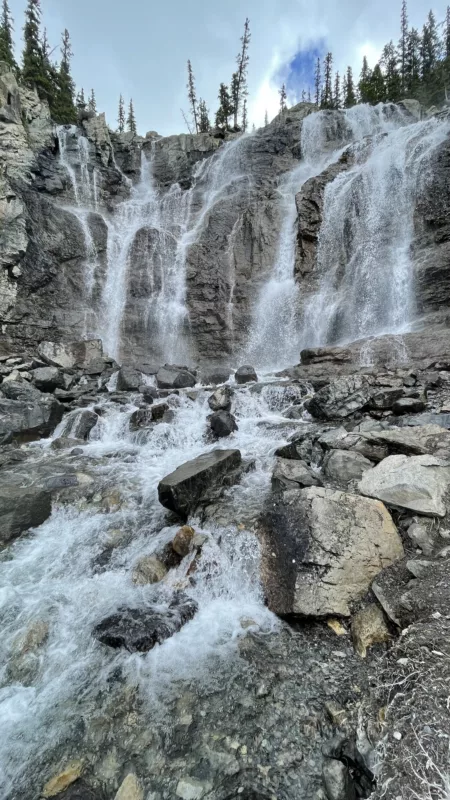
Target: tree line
(417, 67)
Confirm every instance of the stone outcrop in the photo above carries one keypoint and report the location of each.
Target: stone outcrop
(417, 483)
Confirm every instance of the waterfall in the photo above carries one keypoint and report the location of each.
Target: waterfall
(366, 280)
(85, 187)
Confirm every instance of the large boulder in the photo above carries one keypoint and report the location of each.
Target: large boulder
(344, 466)
(47, 379)
(418, 483)
(412, 441)
(222, 424)
(220, 400)
(128, 380)
(74, 354)
(172, 377)
(245, 374)
(193, 482)
(22, 508)
(80, 425)
(292, 474)
(30, 419)
(138, 630)
(342, 397)
(321, 550)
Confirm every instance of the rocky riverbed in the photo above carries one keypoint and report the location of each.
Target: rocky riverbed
(253, 609)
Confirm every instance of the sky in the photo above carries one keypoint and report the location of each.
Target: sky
(139, 48)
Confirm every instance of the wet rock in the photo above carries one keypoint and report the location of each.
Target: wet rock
(26, 420)
(418, 483)
(81, 426)
(220, 400)
(303, 445)
(245, 374)
(128, 380)
(342, 397)
(217, 376)
(22, 508)
(192, 482)
(73, 354)
(409, 405)
(139, 629)
(183, 540)
(172, 377)
(130, 789)
(161, 412)
(222, 424)
(337, 781)
(369, 628)
(148, 569)
(65, 442)
(149, 393)
(141, 418)
(412, 441)
(385, 399)
(321, 550)
(47, 379)
(345, 466)
(290, 474)
(61, 781)
(21, 390)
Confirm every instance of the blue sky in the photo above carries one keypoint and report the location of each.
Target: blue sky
(140, 48)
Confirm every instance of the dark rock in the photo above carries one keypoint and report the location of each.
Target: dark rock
(222, 424)
(172, 377)
(344, 466)
(160, 412)
(406, 600)
(26, 420)
(80, 426)
(138, 630)
(20, 390)
(385, 399)
(64, 443)
(22, 508)
(73, 354)
(192, 482)
(290, 474)
(320, 355)
(149, 393)
(245, 374)
(337, 781)
(128, 380)
(217, 376)
(409, 405)
(80, 790)
(342, 397)
(303, 445)
(220, 400)
(47, 379)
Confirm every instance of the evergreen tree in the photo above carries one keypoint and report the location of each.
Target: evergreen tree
(430, 47)
(447, 34)
(192, 95)
(376, 86)
(92, 102)
(309, 95)
(62, 104)
(393, 80)
(283, 97)
(239, 84)
(80, 101)
(226, 108)
(327, 91)
(413, 62)
(121, 115)
(317, 83)
(303, 100)
(131, 119)
(203, 121)
(403, 45)
(364, 82)
(337, 100)
(266, 118)
(34, 70)
(244, 115)
(6, 37)
(349, 89)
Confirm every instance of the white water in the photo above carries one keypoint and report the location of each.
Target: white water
(276, 336)
(56, 575)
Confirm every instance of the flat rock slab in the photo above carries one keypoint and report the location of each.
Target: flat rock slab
(71, 354)
(321, 549)
(290, 474)
(183, 489)
(342, 397)
(418, 483)
(22, 509)
(171, 377)
(413, 441)
(344, 466)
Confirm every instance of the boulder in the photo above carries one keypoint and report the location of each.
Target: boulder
(128, 380)
(384, 399)
(220, 400)
(303, 445)
(24, 420)
(337, 781)
(80, 790)
(73, 354)
(321, 550)
(192, 482)
(222, 424)
(63, 780)
(345, 466)
(138, 630)
(22, 509)
(149, 393)
(290, 474)
(342, 397)
(182, 543)
(172, 377)
(148, 569)
(47, 379)
(412, 441)
(369, 628)
(21, 390)
(81, 424)
(417, 483)
(130, 789)
(443, 420)
(245, 374)
(217, 376)
(409, 405)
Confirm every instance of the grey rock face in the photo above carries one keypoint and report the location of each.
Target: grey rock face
(128, 380)
(21, 509)
(48, 378)
(171, 377)
(222, 424)
(344, 466)
(342, 397)
(74, 354)
(418, 483)
(25, 420)
(182, 490)
(321, 550)
(140, 629)
(81, 426)
(292, 474)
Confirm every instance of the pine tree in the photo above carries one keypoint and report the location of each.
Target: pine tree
(266, 118)
(447, 34)
(33, 63)
(92, 102)
(337, 100)
(239, 84)
(403, 45)
(131, 119)
(121, 115)
(327, 91)
(283, 97)
(6, 37)
(303, 100)
(393, 80)
(244, 115)
(80, 101)
(376, 86)
(203, 121)
(413, 62)
(349, 89)
(309, 95)
(192, 95)
(62, 105)
(317, 83)
(364, 82)
(226, 108)
(430, 47)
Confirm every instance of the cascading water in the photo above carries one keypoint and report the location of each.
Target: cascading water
(366, 281)
(277, 325)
